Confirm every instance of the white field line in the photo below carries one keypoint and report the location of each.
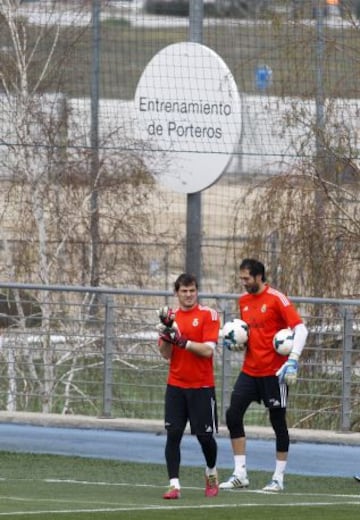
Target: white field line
(156, 486)
(239, 491)
(177, 507)
(341, 499)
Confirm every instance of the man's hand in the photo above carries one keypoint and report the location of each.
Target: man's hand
(166, 316)
(288, 372)
(162, 330)
(229, 342)
(173, 335)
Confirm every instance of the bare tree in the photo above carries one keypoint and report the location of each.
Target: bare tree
(305, 221)
(45, 166)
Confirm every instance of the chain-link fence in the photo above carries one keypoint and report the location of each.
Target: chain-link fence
(78, 204)
(81, 350)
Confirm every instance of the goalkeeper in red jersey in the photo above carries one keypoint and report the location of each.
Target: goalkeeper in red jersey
(265, 374)
(188, 336)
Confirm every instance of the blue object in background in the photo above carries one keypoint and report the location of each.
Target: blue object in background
(263, 77)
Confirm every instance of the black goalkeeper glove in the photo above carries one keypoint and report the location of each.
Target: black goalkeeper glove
(166, 316)
(174, 336)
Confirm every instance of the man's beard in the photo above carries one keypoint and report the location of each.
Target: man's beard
(253, 289)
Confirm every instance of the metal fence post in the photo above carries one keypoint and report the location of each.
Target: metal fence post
(108, 356)
(346, 369)
(226, 376)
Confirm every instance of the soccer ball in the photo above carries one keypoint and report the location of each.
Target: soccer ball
(283, 341)
(235, 334)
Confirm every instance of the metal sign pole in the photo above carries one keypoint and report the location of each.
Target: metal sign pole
(193, 217)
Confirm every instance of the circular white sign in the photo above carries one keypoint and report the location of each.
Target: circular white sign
(188, 111)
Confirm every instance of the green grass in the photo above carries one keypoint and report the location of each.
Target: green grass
(69, 488)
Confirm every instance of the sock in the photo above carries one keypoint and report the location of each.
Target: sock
(240, 464)
(279, 471)
(210, 471)
(175, 482)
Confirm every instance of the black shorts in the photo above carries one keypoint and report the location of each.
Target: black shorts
(260, 389)
(196, 405)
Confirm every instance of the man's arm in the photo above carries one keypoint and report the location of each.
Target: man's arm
(288, 372)
(206, 349)
(172, 336)
(165, 348)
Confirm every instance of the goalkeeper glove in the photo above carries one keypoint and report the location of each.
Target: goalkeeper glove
(288, 372)
(229, 342)
(166, 316)
(174, 336)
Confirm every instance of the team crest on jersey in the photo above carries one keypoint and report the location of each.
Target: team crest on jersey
(246, 308)
(195, 322)
(263, 308)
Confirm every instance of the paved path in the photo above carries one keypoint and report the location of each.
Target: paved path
(137, 446)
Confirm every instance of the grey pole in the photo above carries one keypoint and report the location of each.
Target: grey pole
(94, 132)
(193, 217)
(319, 76)
(320, 161)
(346, 406)
(108, 356)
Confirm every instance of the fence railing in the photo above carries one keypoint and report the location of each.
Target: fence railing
(93, 351)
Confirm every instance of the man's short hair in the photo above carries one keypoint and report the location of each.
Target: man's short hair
(254, 267)
(185, 279)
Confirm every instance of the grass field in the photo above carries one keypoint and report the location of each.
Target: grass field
(67, 488)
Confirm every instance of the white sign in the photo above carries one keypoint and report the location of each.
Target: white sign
(189, 116)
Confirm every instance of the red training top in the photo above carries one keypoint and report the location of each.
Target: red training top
(265, 313)
(188, 370)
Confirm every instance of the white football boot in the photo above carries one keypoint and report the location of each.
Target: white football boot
(236, 482)
(274, 485)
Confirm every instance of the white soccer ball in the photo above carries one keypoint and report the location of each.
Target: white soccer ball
(236, 332)
(283, 341)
